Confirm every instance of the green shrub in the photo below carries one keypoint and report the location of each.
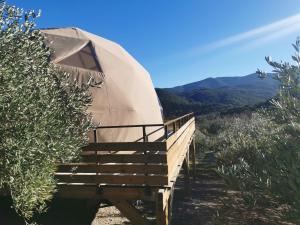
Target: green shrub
(43, 116)
(245, 154)
(261, 155)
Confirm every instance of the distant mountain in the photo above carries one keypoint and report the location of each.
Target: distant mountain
(217, 94)
(249, 81)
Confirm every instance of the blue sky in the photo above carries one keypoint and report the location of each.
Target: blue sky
(181, 41)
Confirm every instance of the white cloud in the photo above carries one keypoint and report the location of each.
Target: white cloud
(240, 42)
(271, 37)
(255, 36)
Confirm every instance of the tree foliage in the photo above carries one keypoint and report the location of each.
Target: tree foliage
(43, 117)
(261, 155)
(245, 154)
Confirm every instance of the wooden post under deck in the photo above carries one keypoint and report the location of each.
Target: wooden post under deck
(162, 207)
(193, 156)
(186, 167)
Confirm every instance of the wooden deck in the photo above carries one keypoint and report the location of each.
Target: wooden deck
(125, 171)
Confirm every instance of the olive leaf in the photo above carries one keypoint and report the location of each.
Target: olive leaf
(43, 117)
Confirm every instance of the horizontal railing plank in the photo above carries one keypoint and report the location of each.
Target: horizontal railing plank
(125, 158)
(113, 179)
(94, 168)
(126, 146)
(103, 192)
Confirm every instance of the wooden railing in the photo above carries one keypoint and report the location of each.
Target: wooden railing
(170, 127)
(174, 125)
(178, 145)
(140, 163)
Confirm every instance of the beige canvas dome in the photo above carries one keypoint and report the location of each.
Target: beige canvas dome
(122, 90)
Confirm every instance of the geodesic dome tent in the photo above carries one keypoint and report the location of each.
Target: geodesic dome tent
(122, 90)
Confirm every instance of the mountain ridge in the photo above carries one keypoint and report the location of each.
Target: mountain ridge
(217, 94)
(217, 82)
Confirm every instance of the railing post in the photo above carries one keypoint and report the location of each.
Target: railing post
(95, 135)
(145, 137)
(166, 132)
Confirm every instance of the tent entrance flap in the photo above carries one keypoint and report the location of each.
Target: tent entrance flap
(85, 58)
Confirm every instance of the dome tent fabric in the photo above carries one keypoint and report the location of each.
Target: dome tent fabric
(122, 90)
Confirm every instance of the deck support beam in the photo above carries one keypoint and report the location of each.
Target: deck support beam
(162, 207)
(186, 168)
(193, 156)
(130, 212)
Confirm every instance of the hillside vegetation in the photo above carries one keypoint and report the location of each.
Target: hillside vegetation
(217, 94)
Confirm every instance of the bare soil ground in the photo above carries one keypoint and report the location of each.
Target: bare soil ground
(209, 203)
